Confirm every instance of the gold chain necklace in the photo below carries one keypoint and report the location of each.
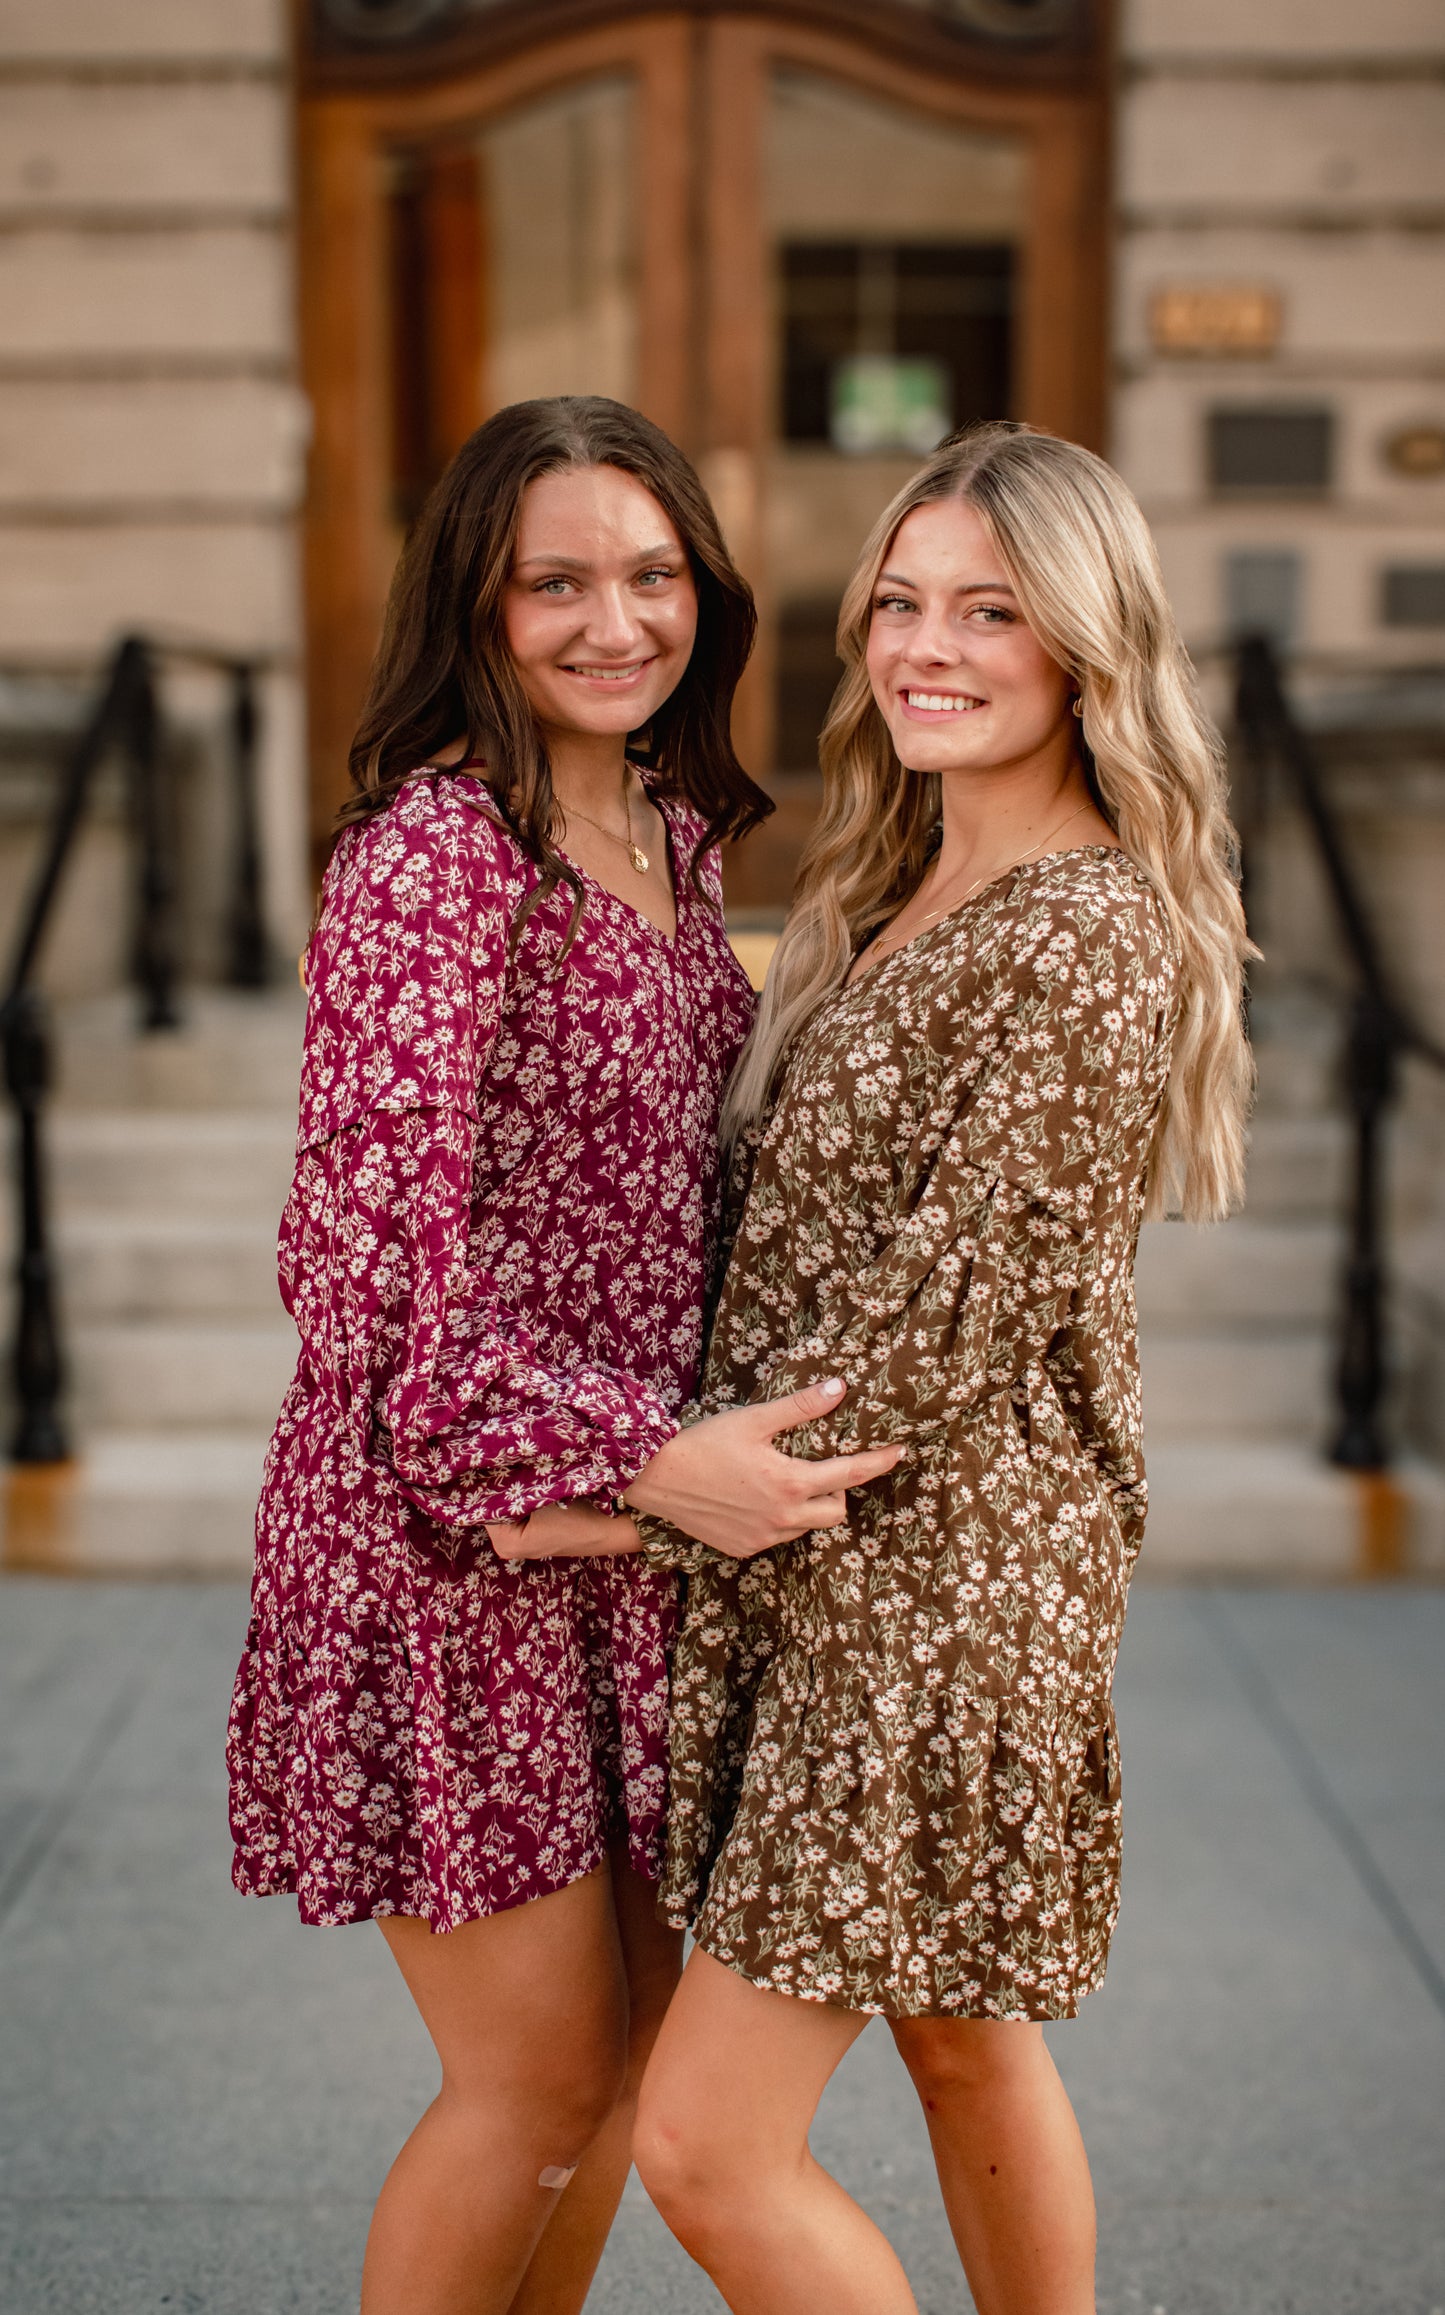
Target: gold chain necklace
(628, 842)
(991, 877)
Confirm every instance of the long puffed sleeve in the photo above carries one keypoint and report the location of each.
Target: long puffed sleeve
(979, 1275)
(443, 1383)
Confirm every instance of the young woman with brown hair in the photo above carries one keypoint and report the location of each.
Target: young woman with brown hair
(1004, 1017)
(522, 1013)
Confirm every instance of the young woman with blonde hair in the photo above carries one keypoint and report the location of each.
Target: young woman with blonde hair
(1003, 1021)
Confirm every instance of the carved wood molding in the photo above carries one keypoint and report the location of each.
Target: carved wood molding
(369, 44)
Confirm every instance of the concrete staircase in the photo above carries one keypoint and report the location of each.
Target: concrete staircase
(171, 1161)
(1237, 1334)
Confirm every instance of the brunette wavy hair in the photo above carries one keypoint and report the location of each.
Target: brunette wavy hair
(444, 672)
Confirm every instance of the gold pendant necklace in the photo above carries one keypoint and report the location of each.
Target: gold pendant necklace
(995, 873)
(883, 947)
(629, 843)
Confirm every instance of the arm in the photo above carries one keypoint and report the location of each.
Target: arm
(446, 1385)
(981, 1273)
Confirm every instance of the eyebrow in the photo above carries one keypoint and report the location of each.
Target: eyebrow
(979, 587)
(570, 562)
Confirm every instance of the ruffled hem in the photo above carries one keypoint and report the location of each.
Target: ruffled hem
(904, 1848)
(457, 1754)
(1039, 2008)
(321, 1906)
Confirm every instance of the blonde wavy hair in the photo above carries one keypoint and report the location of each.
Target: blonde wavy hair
(1082, 563)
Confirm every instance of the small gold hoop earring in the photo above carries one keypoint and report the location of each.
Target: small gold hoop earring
(1079, 705)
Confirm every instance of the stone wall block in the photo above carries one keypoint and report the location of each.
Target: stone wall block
(213, 291)
(83, 145)
(1340, 611)
(88, 31)
(67, 591)
(1330, 146)
(120, 443)
(1362, 297)
(1160, 422)
(1283, 28)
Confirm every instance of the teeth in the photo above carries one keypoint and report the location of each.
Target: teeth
(940, 702)
(607, 674)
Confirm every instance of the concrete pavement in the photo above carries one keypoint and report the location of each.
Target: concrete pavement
(198, 2098)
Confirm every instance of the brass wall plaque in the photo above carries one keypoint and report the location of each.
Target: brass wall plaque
(1222, 318)
(1418, 451)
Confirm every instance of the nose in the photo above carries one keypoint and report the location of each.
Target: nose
(613, 627)
(936, 642)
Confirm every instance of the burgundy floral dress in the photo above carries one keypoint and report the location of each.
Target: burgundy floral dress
(496, 1251)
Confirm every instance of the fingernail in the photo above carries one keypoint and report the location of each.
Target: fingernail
(832, 1389)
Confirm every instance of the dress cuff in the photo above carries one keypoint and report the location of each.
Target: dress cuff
(666, 1547)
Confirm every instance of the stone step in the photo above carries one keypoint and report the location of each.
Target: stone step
(1284, 1273)
(144, 1266)
(140, 1503)
(1298, 1167)
(233, 1050)
(1268, 1508)
(155, 1503)
(164, 1374)
(1265, 1383)
(233, 1165)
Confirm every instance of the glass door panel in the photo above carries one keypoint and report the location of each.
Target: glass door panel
(512, 273)
(894, 243)
(561, 293)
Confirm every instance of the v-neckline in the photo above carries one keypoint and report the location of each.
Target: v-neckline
(669, 939)
(855, 979)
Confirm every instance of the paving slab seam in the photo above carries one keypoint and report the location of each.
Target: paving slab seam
(1255, 1686)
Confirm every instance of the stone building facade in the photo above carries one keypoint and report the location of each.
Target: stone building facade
(152, 431)
(263, 265)
(1275, 386)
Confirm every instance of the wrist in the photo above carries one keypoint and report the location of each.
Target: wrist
(649, 1491)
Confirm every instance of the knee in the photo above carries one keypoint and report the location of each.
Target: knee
(557, 2101)
(685, 2171)
(950, 2059)
(580, 2099)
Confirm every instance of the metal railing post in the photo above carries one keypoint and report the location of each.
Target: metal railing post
(125, 717)
(38, 1370)
(154, 945)
(249, 961)
(1380, 1032)
(1360, 1443)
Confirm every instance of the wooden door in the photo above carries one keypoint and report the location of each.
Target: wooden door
(763, 199)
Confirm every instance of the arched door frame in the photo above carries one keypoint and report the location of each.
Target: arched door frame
(705, 356)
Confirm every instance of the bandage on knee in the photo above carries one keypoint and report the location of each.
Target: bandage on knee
(555, 2176)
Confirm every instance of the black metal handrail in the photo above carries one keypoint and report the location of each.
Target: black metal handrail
(1381, 1032)
(124, 722)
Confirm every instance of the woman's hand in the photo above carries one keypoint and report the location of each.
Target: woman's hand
(724, 1482)
(566, 1531)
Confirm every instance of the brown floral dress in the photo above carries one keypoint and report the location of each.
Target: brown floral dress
(894, 1772)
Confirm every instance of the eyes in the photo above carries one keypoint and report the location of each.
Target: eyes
(559, 585)
(982, 614)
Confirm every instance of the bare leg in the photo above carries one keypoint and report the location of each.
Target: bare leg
(528, 2012)
(722, 2145)
(565, 2261)
(1011, 2163)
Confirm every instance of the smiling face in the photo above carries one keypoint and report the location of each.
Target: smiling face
(600, 610)
(960, 677)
